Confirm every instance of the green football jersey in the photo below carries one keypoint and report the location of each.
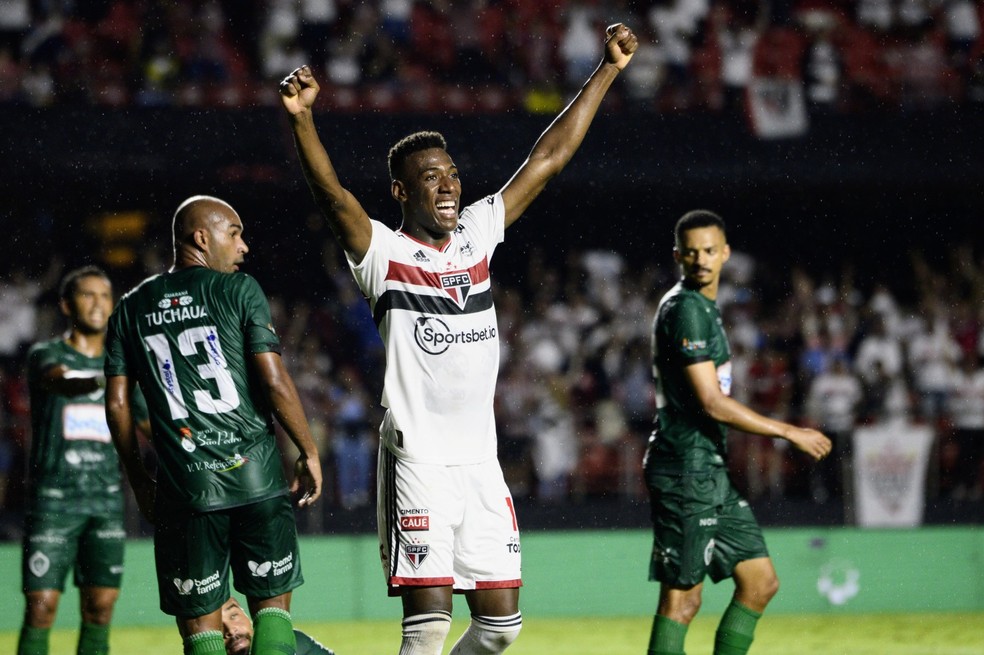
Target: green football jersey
(687, 330)
(73, 464)
(188, 337)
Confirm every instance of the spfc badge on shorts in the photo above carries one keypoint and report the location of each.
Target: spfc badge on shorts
(416, 554)
(39, 564)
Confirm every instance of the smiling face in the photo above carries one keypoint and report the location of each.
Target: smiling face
(89, 304)
(701, 253)
(237, 629)
(429, 191)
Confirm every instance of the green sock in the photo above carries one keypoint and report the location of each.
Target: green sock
(666, 637)
(209, 642)
(33, 641)
(93, 639)
(273, 633)
(736, 630)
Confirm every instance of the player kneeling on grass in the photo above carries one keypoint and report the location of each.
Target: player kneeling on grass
(237, 631)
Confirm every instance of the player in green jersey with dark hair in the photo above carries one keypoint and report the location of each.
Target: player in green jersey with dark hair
(200, 342)
(701, 526)
(75, 511)
(237, 630)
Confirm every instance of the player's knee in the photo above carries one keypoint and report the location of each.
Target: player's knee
(490, 635)
(770, 588)
(424, 634)
(757, 595)
(687, 610)
(40, 610)
(681, 608)
(97, 612)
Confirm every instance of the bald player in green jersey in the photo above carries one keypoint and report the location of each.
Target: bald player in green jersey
(701, 526)
(200, 341)
(75, 510)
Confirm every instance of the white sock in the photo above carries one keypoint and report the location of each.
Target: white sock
(424, 634)
(488, 635)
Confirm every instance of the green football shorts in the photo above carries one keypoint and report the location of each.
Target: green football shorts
(701, 527)
(55, 542)
(195, 552)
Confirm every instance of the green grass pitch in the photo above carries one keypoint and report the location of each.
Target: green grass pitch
(865, 634)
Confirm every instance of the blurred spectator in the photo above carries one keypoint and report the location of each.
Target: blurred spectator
(555, 442)
(886, 394)
(317, 18)
(19, 294)
(823, 63)
(933, 356)
(770, 392)
(878, 15)
(15, 21)
(737, 30)
(965, 410)
(677, 25)
(879, 354)
(580, 48)
(395, 19)
(644, 79)
(353, 439)
(832, 403)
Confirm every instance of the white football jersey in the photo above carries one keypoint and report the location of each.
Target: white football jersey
(434, 312)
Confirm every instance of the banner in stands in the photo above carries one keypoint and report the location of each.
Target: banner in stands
(776, 108)
(890, 462)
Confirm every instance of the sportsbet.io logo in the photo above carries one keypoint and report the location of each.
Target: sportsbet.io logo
(434, 337)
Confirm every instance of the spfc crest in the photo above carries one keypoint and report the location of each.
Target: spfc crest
(457, 286)
(416, 554)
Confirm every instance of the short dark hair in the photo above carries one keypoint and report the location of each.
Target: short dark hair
(410, 144)
(695, 219)
(71, 280)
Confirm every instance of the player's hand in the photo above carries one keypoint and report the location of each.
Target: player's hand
(307, 478)
(298, 91)
(811, 442)
(620, 45)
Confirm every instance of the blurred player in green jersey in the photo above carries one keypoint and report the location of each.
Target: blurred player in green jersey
(75, 511)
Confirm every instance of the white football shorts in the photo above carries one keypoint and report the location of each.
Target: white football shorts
(443, 525)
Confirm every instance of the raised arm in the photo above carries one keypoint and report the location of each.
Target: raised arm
(345, 215)
(119, 417)
(703, 378)
(286, 405)
(557, 144)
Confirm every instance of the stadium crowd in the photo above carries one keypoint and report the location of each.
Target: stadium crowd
(489, 55)
(575, 397)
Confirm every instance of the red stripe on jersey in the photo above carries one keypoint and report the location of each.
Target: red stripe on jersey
(498, 584)
(398, 581)
(414, 275)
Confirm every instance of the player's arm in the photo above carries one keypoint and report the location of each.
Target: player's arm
(119, 417)
(724, 409)
(557, 144)
(63, 381)
(286, 405)
(345, 215)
